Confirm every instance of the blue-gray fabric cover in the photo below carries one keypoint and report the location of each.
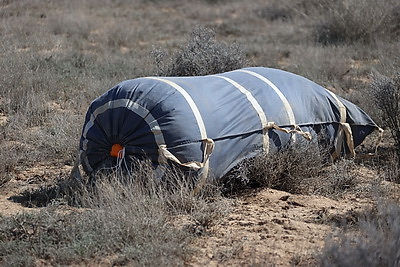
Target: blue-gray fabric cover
(229, 118)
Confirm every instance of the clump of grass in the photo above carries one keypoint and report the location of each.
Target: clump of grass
(137, 234)
(357, 21)
(283, 170)
(202, 55)
(334, 180)
(275, 11)
(129, 221)
(301, 168)
(21, 90)
(376, 243)
(10, 156)
(386, 95)
(71, 24)
(327, 66)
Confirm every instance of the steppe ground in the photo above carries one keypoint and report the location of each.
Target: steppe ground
(57, 56)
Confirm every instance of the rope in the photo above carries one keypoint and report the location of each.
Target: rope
(165, 155)
(296, 130)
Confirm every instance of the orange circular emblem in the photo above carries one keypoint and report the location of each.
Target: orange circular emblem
(115, 151)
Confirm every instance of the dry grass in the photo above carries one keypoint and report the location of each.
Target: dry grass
(375, 242)
(346, 21)
(302, 168)
(129, 221)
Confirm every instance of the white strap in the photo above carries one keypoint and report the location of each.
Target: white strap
(257, 107)
(378, 142)
(342, 108)
(209, 145)
(349, 138)
(191, 103)
(344, 130)
(286, 104)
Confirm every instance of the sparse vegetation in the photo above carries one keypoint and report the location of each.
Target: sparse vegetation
(57, 56)
(374, 243)
(274, 11)
(345, 21)
(124, 220)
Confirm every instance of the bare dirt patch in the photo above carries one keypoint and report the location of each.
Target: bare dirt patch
(14, 195)
(270, 226)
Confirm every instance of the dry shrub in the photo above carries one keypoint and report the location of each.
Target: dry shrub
(75, 24)
(375, 243)
(349, 21)
(121, 36)
(10, 157)
(387, 169)
(202, 55)
(23, 81)
(174, 190)
(283, 170)
(136, 232)
(301, 168)
(59, 135)
(324, 66)
(275, 11)
(334, 180)
(386, 94)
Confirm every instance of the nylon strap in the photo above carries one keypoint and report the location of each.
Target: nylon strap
(344, 130)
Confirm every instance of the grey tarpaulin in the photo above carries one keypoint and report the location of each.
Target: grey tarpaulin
(210, 123)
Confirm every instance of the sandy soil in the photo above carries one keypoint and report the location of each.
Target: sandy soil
(271, 227)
